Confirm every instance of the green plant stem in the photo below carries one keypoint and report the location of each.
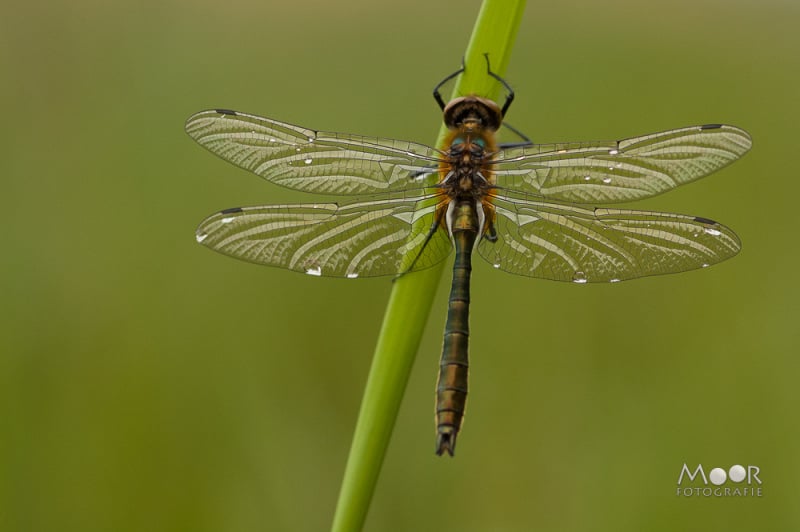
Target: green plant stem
(412, 295)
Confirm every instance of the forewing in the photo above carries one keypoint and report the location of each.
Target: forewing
(618, 171)
(314, 161)
(571, 243)
(362, 239)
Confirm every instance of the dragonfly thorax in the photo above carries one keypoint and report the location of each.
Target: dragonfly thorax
(469, 147)
(465, 174)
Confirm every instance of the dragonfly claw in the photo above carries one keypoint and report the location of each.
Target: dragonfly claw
(446, 442)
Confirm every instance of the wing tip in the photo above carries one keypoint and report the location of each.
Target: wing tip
(727, 128)
(205, 114)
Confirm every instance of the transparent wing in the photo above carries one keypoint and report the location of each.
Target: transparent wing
(313, 161)
(625, 170)
(361, 239)
(569, 243)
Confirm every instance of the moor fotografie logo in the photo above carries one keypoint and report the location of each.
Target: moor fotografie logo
(737, 481)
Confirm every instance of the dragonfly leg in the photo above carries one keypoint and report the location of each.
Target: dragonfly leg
(436, 95)
(419, 173)
(437, 220)
(509, 95)
(491, 233)
(525, 140)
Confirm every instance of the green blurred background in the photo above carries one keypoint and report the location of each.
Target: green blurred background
(149, 384)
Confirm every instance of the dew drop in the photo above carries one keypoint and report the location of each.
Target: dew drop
(696, 235)
(308, 161)
(227, 220)
(310, 139)
(201, 236)
(496, 265)
(316, 271)
(613, 151)
(297, 149)
(614, 280)
(352, 275)
(713, 232)
(606, 180)
(272, 140)
(579, 277)
(705, 265)
(587, 177)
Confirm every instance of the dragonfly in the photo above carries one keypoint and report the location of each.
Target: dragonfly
(525, 208)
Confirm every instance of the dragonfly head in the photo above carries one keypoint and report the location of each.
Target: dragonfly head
(472, 114)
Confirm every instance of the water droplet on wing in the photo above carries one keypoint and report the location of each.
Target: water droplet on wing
(579, 277)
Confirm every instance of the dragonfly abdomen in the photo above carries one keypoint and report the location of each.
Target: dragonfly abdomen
(451, 389)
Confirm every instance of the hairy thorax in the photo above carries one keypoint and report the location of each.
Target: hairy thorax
(465, 169)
